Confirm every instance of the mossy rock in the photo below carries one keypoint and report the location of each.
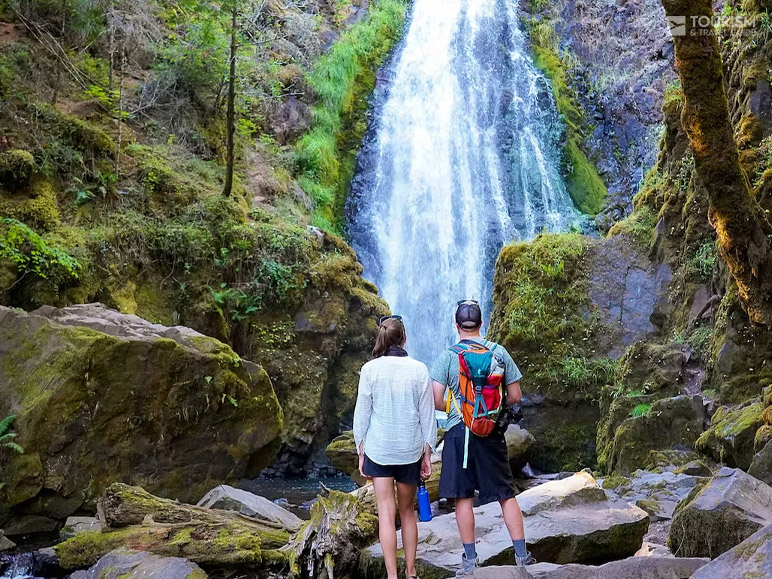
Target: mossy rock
(35, 205)
(16, 167)
(731, 436)
(670, 424)
(167, 408)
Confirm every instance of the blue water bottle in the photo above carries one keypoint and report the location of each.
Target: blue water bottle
(424, 505)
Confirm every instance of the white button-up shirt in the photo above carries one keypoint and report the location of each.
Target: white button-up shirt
(394, 413)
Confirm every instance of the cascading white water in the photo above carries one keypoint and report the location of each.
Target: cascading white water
(462, 156)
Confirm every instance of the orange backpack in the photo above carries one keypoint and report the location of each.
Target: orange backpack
(480, 377)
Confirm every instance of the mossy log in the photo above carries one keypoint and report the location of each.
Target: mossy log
(742, 228)
(140, 521)
(328, 545)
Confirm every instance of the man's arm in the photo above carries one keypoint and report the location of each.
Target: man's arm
(439, 395)
(514, 394)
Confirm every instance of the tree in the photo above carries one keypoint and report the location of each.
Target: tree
(744, 234)
(230, 119)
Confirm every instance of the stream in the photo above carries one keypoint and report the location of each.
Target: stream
(462, 155)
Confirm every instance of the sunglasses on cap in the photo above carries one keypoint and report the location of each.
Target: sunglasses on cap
(384, 318)
(467, 303)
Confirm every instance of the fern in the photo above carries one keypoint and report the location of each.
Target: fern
(7, 437)
(640, 410)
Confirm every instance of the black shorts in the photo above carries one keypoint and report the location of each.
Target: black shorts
(487, 471)
(409, 474)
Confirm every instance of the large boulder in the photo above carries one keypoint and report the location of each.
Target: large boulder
(565, 309)
(669, 424)
(76, 525)
(761, 465)
(5, 543)
(751, 558)
(566, 521)
(720, 515)
(519, 443)
(630, 568)
(138, 520)
(101, 396)
(342, 453)
(128, 564)
(731, 437)
(227, 498)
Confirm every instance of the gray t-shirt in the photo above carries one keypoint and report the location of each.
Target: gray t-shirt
(445, 371)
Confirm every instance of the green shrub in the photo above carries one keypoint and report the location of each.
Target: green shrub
(640, 410)
(32, 254)
(16, 167)
(703, 261)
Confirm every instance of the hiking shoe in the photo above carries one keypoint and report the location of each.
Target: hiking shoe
(523, 561)
(467, 566)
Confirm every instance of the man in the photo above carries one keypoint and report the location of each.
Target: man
(487, 467)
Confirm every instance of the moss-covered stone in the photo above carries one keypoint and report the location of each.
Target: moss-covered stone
(16, 167)
(178, 416)
(730, 438)
(671, 424)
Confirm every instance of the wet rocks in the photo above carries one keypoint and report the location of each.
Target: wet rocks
(568, 520)
(5, 543)
(128, 564)
(76, 525)
(227, 498)
(720, 515)
(102, 396)
(751, 558)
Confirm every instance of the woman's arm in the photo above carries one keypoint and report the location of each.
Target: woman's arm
(362, 412)
(426, 415)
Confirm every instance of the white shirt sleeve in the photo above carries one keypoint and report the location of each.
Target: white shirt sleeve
(426, 413)
(363, 410)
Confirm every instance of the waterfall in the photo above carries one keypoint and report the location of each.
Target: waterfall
(462, 156)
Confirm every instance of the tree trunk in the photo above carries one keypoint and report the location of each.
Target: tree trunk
(741, 226)
(231, 115)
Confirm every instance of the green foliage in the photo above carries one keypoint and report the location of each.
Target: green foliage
(16, 167)
(639, 225)
(640, 410)
(31, 254)
(704, 260)
(539, 299)
(674, 94)
(336, 80)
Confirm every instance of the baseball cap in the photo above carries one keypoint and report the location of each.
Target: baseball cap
(468, 314)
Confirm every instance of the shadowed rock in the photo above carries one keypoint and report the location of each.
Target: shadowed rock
(751, 558)
(720, 515)
(631, 568)
(127, 564)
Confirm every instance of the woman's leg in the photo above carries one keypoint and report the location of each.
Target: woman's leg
(406, 498)
(387, 531)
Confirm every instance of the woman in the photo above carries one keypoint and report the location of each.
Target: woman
(395, 431)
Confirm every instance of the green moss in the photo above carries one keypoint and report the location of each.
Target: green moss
(731, 437)
(16, 167)
(35, 205)
(587, 189)
(340, 80)
(85, 549)
(639, 225)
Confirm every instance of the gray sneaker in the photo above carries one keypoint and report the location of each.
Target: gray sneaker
(467, 566)
(523, 561)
